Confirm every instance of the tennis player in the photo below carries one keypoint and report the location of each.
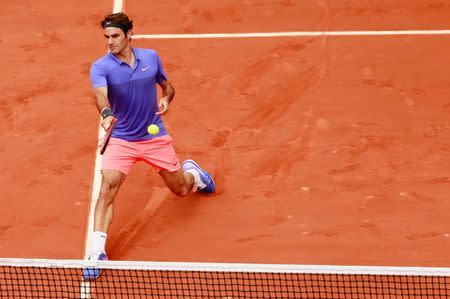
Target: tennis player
(124, 83)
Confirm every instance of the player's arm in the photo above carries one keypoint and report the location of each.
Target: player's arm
(102, 102)
(168, 93)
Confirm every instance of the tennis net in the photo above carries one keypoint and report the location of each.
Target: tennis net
(39, 278)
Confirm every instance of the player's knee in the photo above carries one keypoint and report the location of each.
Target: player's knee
(106, 196)
(108, 191)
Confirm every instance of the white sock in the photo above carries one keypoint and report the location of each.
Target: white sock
(197, 180)
(98, 242)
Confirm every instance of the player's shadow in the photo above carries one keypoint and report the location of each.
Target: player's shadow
(121, 241)
(130, 234)
(127, 236)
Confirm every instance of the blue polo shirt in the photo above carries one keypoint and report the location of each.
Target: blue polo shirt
(132, 92)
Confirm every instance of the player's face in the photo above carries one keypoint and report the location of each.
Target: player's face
(116, 39)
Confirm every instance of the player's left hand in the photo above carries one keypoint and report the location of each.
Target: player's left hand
(163, 106)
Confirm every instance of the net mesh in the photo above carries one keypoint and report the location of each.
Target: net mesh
(63, 279)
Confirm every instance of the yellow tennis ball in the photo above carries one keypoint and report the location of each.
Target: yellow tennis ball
(153, 129)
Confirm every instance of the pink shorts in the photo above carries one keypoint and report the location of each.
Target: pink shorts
(158, 152)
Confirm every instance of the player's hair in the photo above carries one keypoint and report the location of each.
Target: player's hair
(119, 20)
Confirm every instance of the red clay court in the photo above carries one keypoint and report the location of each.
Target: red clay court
(326, 149)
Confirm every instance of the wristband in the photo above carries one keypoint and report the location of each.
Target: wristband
(106, 112)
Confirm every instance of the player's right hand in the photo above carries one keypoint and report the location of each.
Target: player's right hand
(106, 122)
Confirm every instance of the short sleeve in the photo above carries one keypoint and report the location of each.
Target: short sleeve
(160, 74)
(98, 76)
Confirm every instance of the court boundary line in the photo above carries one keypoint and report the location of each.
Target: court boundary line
(117, 7)
(85, 290)
(292, 34)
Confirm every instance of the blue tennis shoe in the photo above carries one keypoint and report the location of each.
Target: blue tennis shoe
(206, 183)
(94, 273)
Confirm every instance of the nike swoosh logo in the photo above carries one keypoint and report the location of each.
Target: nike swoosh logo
(145, 68)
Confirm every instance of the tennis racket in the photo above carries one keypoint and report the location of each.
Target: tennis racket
(108, 136)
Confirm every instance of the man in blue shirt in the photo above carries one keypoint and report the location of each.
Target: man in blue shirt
(124, 83)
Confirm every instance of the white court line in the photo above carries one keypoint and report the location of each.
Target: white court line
(85, 286)
(292, 34)
(117, 7)
(94, 196)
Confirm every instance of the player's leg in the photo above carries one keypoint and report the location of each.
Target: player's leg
(179, 182)
(160, 153)
(203, 180)
(111, 181)
(109, 216)
(118, 159)
(189, 178)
